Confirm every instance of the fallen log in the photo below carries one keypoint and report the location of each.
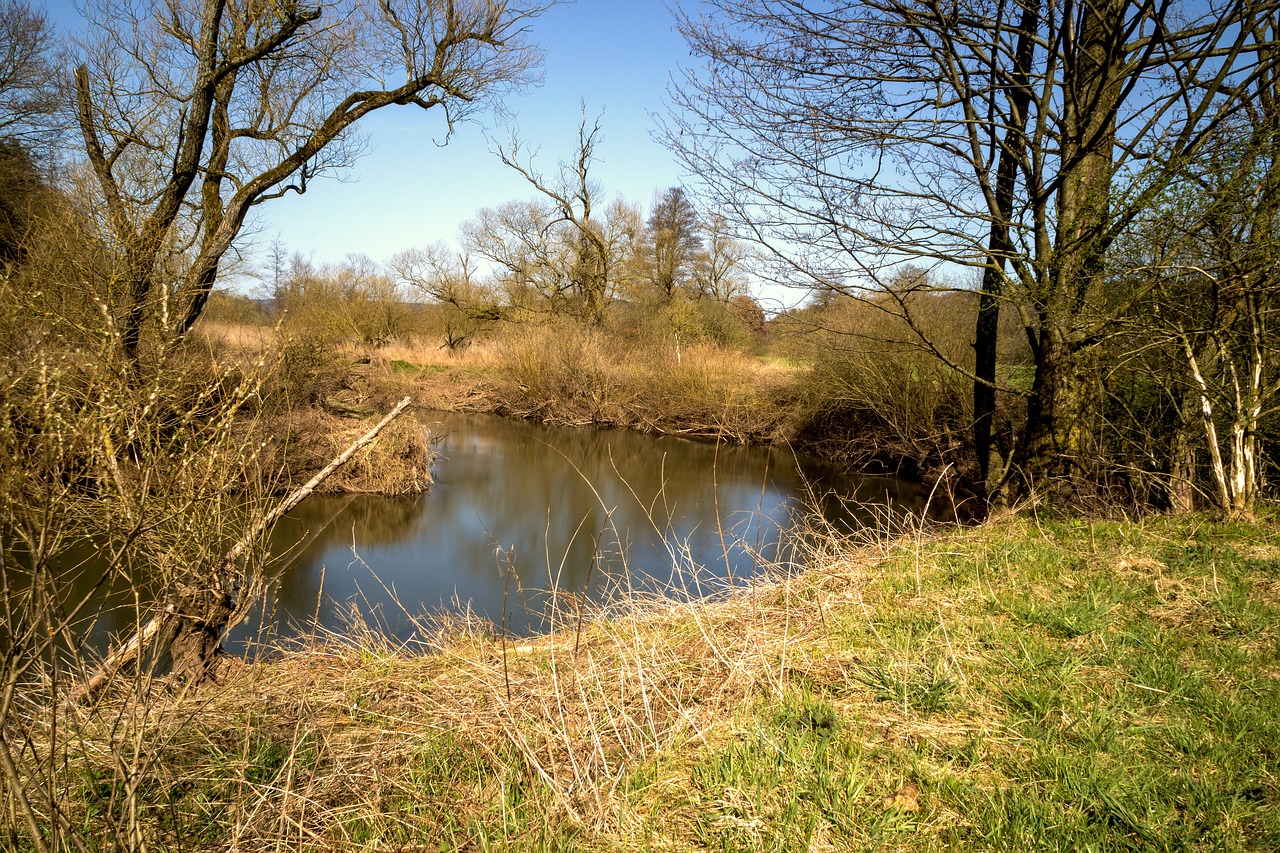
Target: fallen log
(199, 633)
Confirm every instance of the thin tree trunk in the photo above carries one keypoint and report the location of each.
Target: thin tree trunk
(1181, 490)
(1243, 460)
(1216, 465)
(998, 248)
(193, 626)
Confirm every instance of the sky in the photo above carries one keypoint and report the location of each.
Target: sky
(615, 57)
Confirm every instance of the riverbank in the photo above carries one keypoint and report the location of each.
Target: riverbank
(881, 417)
(1021, 684)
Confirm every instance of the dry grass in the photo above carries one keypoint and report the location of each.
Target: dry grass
(562, 374)
(572, 714)
(577, 377)
(901, 416)
(994, 688)
(247, 339)
(397, 463)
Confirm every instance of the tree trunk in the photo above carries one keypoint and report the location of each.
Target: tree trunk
(1059, 445)
(192, 632)
(1181, 489)
(189, 629)
(986, 335)
(1058, 452)
(1244, 437)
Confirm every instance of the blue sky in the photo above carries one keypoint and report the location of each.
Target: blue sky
(614, 56)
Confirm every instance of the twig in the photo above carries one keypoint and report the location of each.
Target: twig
(126, 653)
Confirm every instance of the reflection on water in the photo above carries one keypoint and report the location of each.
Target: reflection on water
(565, 509)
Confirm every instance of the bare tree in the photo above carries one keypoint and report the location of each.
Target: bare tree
(29, 98)
(1206, 260)
(449, 278)
(533, 250)
(1017, 137)
(573, 198)
(721, 268)
(439, 273)
(673, 241)
(273, 277)
(193, 112)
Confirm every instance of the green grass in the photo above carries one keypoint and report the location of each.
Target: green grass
(1118, 693)
(922, 687)
(1019, 686)
(399, 365)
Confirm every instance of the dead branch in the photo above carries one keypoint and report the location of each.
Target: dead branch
(126, 653)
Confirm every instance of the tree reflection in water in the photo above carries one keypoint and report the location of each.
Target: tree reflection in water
(569, 507)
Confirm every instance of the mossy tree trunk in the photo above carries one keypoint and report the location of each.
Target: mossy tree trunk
(1059, 446)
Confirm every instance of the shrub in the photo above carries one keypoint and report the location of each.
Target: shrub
(311, 369)
(884, 408)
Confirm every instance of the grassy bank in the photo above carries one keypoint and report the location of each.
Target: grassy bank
(1021, 685)
(882, 415)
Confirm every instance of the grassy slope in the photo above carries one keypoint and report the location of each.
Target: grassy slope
(1023, 685)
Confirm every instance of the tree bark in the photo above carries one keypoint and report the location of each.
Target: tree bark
(1059, 443)
(1181, 489)
(1059, 446)
(999, 249)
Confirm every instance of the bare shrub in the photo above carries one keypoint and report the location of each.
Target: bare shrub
(312, 368)
(874, 394)
(116, 500)
(902, 413)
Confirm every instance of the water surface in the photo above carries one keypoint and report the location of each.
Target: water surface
(518, 510)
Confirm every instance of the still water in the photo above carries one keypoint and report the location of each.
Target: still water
(519, 510)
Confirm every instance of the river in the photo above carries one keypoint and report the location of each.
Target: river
(519, 510)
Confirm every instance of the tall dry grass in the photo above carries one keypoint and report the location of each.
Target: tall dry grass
(462, 738)
(566, 374)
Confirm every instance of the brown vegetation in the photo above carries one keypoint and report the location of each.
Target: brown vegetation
(820, 388)
(992, 687)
